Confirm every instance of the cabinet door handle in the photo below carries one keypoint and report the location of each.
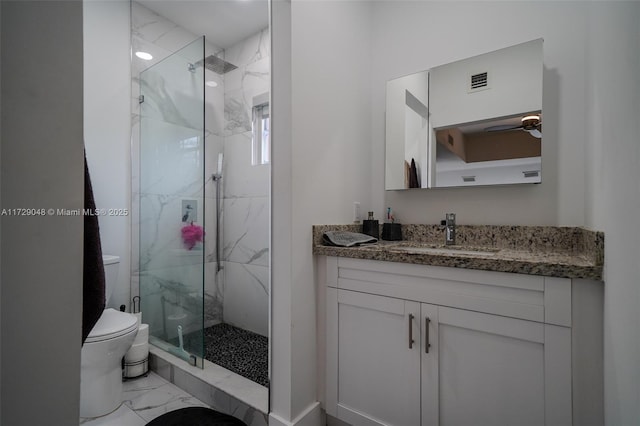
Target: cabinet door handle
(427, 345)
(411, 342)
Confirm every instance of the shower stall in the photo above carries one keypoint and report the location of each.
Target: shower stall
(202, 146)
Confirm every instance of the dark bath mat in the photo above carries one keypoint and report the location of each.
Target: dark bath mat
(195, 416)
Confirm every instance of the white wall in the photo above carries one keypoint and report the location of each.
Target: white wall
(317, 177)
(410, 36)
(280, 355)
(42, 167)
(413, 36)
(613, 202)
(331, 56)
(107, 90)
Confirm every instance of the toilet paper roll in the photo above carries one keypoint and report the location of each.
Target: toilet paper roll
(137, 353)
(143, 334)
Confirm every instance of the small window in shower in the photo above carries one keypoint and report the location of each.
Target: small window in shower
(261, 143)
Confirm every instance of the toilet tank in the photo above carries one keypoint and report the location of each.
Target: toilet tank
(111, 264)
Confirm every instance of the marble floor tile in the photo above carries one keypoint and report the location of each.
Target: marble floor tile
(145, 399)
(136, 387)
(160, 400)
(123, 416)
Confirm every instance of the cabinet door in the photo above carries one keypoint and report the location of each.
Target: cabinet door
(378, 360)
(429, 364)
(490, 369)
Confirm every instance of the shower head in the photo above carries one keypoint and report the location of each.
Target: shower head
(215, 64)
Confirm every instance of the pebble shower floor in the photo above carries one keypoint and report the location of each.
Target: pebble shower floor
(241, 351)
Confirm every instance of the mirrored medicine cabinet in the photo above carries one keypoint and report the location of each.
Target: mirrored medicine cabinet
(473, 122)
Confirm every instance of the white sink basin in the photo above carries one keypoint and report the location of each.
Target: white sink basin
(443, 250)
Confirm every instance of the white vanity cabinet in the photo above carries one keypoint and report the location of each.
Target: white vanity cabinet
(422, 345)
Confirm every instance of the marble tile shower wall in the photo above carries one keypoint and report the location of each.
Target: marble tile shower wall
(173, 171)
(245, 216)
(246, 190)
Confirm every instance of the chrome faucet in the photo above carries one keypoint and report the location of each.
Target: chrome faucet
(449, 225)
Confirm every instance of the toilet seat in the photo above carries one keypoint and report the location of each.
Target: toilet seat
(112, 324)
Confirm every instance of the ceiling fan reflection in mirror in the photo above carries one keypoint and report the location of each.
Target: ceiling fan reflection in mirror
(530, 123)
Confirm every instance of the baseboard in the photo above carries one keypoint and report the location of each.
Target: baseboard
(311, 416)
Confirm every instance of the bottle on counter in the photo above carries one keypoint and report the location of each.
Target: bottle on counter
(370, 226)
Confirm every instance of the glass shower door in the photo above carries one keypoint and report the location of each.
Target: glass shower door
(172, 152)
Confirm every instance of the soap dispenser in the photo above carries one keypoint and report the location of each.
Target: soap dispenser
(391, 231)
(370, 226)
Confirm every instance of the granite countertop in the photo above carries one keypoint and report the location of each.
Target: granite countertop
(565, 252)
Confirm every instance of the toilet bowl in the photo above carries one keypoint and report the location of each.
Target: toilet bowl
(102, 353)
(101, 367)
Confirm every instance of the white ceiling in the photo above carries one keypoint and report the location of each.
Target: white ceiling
(223, 22)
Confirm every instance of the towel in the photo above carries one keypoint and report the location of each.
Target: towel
(413, 175)
(347, 239)
(407, 172)
(93, 282)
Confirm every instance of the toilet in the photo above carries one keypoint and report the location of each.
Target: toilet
(102, 352)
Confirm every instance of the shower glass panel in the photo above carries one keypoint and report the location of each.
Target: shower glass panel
(172, 152)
